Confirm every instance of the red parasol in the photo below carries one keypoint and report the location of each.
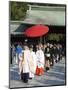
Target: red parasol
(36, 31)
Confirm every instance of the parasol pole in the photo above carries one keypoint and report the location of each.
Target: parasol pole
(44, 39)
(40, 39)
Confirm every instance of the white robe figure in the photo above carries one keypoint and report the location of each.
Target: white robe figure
(33, 58)
(40, 62)
(25, 66)
(28, 64)
(26, 61)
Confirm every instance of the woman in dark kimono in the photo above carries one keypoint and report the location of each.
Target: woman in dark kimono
(51, 57)
(47, 57)
(55, 53)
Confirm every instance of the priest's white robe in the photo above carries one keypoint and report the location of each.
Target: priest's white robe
(33, 58)
(40, 58)
(40, 62)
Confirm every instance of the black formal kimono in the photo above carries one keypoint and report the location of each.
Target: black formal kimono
(56, 54)
(47, 58)
(51, 57)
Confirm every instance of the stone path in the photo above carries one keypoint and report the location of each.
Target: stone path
(55, 76)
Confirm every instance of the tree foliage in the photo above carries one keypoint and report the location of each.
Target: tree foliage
(18, 10)
(56, 37)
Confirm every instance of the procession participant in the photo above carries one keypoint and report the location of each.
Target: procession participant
(47, 57)
(55, 53)
(36, 47)
(18, 51)
(51, 57)
(44, 46)
(41, 45)
(25, 64)
(40, 61)
(60, 52)
(33, 58)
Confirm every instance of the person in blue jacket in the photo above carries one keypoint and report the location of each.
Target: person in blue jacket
(19, 49)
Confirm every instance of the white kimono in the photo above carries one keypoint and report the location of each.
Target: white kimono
(33, 55)
(26, 61)
(40, 58)
(29, 63)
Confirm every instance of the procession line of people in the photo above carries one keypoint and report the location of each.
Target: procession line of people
(30, 63)
(37, 62)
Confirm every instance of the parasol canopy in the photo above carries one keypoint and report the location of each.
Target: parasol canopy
(36, 31)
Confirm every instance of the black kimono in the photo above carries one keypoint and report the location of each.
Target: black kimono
(55, 53)
(47, 58)
(47, 53)
(51, 56)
